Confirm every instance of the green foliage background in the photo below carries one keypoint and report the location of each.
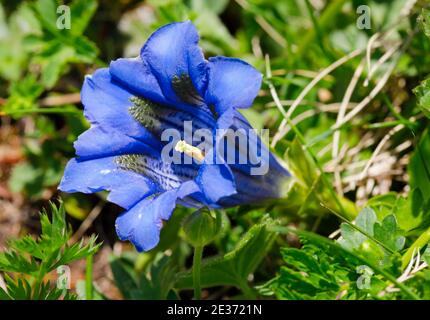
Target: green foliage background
(348, 110)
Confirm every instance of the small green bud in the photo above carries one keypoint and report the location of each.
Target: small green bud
(200, 228)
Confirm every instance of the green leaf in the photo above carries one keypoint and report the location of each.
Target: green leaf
(14, 30)
(11, 261)
(215, 6)
(156, 283)
(23, 95)
(21, 289)
(77, 251)
(159, 282)
(124, 276)
(426, 255)
(81, 13)
(55, 66)
(356, 258)
(351, 237)
(349, 39)
(411, 213)
(46, 11)
(371, 238)
(422, 241)
(53, 238)
(34, 258)
(234, 267)
(366, 220)
(86, 50)
(58, 47)
(385, 233)
(312, 272)
(24, 176)
(419, 166)
(425, 21)
(423, 96)
(388, 233)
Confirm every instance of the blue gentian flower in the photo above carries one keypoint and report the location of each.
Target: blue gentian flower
(132, 102)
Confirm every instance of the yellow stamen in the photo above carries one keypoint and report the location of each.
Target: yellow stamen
(190, 150)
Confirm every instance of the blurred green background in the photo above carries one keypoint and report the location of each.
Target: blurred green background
(348, 94)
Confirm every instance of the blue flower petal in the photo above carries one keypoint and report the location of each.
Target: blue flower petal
(256, 148)
(232, 83)
(107, 104)
(126, 187)
(173, 51)
(216, 181)
(98, 142)
(226, 119)
(135, 75)
(142, 224)
(252, 185)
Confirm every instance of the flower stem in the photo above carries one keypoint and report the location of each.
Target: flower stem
(89, 278)
(247, 291)
(218, 217)
(197, 259)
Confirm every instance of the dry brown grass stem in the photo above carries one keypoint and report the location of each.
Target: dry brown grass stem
(378, 149)
(342, 111)
(266, 26)
(323, 107)
(94, 213)
(282, 129)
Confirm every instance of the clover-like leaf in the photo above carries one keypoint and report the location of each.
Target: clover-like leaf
(388, 233)
(353, 238)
